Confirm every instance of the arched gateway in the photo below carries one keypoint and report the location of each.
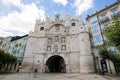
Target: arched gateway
(60, 45)
(55, 64)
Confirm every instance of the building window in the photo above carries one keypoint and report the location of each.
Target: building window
(42, 28)
(63, 47)
(17, 51)
(73, 24)
(103, 16)
(63, 40)
(105, 27)
(49, 40)
(48, 48)
(56, 38)
(16, 45)
(114, 12)
(94, 22)
(1, 42)
(20, 44)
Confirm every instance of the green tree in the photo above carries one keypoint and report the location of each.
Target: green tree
(107, 54)
(112, 33)
(6, 57)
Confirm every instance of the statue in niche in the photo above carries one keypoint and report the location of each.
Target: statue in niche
(48, 48)
(56, 48)
(56, 38)
(63, 47)
(49, 40)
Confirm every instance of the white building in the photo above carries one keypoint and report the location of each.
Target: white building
(97, 23)
(5, 43)
(100, 20)
(59, 45)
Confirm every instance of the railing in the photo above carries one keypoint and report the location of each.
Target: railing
(116, 14)
(104, 19)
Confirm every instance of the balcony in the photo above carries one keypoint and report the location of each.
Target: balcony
(115, 14)
(104, 19)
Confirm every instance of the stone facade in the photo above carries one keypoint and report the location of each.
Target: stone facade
(59, 45)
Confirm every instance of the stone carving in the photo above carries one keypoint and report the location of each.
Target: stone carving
(48, 48)
(57, 17)
(56, 48)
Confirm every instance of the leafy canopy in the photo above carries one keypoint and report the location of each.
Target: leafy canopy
(105, 54)
(112, 33)
(6, 57)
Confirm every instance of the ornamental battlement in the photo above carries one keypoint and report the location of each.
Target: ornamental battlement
(58, 18)
(59, 25)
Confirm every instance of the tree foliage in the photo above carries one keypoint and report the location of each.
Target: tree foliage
(112, 33)
(105, 54)
(6, 57)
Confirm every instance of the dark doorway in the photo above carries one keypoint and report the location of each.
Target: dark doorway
(55, 64)
(104, 66)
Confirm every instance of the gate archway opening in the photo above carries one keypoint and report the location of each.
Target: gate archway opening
(55, 64)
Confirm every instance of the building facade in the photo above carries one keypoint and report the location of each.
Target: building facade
(97, 23)
(18, 46)
(1, 39)
(100, 20)
(5, 43)
(59, 45)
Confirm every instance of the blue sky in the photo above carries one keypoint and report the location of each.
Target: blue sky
(17, 17)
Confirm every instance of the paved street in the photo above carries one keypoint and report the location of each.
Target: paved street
(57, 76)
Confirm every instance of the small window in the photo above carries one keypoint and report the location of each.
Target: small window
(73, 24)
(42, 28)
(16, 45)
(20, 44)
(1, 42)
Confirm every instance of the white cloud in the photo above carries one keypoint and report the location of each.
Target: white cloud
(16, 3)
(63, 2)
(21, 22)
(4, 33)
(82, 6)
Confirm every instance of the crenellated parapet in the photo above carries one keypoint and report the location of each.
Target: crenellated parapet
(72, 25)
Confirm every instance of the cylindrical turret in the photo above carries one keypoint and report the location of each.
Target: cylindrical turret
(86, 57)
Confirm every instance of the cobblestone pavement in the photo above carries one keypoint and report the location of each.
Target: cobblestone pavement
(56, 76)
